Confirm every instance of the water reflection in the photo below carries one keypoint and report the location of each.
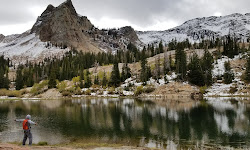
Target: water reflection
(133, 122)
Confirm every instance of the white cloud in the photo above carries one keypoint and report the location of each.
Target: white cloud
(141, 14)
(218, 14)
(15, 28)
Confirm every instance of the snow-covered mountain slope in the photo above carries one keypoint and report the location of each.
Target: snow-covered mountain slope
(202, 28)
(26, 46)
(62, 27)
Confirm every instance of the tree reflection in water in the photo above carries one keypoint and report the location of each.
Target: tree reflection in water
(131, 121)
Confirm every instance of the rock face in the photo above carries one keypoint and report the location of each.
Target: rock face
(1, 37)
(60, 29)
(62, 26)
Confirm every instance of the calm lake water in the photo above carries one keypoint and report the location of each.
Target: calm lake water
(130, 122)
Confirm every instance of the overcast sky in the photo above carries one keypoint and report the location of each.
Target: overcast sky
(17, 16)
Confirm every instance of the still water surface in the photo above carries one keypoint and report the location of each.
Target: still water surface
(130, 122)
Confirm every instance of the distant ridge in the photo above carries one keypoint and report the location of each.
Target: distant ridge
(202, 28)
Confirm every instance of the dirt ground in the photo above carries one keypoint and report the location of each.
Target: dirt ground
(5, 146)
(174, 91)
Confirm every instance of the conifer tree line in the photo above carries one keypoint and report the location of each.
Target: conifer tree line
(73, 64)
(231, 47)
(200, 70)
(4, 70)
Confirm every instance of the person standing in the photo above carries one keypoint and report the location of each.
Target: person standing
(27, 128)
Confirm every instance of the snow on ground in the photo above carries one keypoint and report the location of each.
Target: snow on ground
(219, 64)
(132, 82)
(29, 47)
(221, 89)
(169, 78)
(128, 93)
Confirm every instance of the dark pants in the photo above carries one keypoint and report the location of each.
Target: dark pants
(27, 134)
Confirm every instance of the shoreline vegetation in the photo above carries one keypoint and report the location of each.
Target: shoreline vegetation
(53, 94)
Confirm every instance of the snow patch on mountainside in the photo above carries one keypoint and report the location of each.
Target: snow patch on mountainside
(219, 68)
(222, 89)
(28, 47)
(201, 28)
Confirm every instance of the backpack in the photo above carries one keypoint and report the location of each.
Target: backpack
(25, 124)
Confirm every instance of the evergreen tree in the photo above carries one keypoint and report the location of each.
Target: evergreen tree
(87, 79)
(96, 81)
(228, 75)
(126, 72)
(207, 66)
(52, 79)
(19, 78)
(4, 70)
(81, 83)
(152, 49)
(171, 63)
(157, 71)
(161, 47)
(247, 73)
(104, 80)
(166, 64)
(115, 78)
(145, 70)
(181, 62)
(4, 81)
(195, 74)
(230, 46)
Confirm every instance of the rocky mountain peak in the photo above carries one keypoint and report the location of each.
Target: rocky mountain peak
(60, 29)
(69, 5)
(62, 26)
(129, 32)
(1, 37)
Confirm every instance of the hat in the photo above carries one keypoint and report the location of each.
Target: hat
(28, 117)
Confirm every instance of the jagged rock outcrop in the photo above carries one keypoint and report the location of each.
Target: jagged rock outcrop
(59, 29)
(1, 37)
(62, 26)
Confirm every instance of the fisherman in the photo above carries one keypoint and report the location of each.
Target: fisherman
(26, 128)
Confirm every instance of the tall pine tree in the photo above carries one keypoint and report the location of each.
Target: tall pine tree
(126, 72)
(145, 69)
(247, 72)
(19, 78)
(228, 75)
(207, 66)
(104, 80)
(181, 62)
(87, 79)
(195, 74)
(115, 78)
(52, 79)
